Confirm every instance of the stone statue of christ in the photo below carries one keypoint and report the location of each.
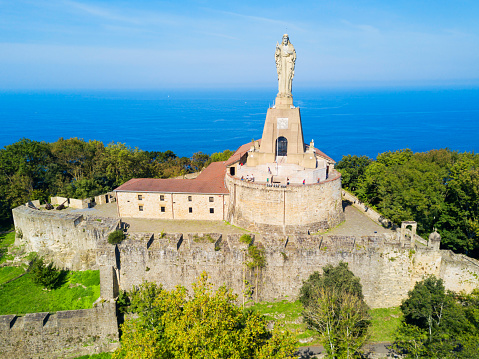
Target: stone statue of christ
(285, 57)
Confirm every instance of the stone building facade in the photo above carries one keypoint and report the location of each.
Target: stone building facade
(204, 197)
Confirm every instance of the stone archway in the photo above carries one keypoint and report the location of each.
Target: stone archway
(281, 146)
(404, 226)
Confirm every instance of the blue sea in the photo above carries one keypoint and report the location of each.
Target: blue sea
(341, 122)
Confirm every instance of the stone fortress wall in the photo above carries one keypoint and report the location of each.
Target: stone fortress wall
(388, 265)
(70, 240)
(289, 209)
(65, 334)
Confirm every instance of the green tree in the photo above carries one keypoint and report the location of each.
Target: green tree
(46, 275)
(436, 324)
(334, 306)
(198, 161)
(352, 170)
(438, 189)
(220, 156)
(23, 174)
(207, 325)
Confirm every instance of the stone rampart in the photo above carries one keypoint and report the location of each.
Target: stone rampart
(388, 267)
(65, 334)
(70, 240)
(294, 209)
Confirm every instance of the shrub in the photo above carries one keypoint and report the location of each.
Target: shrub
(246, 238)
(116, 237)
(123, 302)
(46, 275)
(258, 260)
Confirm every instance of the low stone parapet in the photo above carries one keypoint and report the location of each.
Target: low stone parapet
(58, 335)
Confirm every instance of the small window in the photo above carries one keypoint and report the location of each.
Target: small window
(212, 199)
(140, 197)
(190, 198)
(162, 197)
(212, 210)
(190, 210)
(163, 209)
(232, 171)
(140, 208)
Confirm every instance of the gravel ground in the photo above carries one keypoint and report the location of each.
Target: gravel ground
(356, 223)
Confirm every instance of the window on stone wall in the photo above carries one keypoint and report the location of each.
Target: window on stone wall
(190, 198)
(162, 197)
(163, 209)
(140, 197)
(190, 210)
(212, 199)
(140, 208)
(212, 210)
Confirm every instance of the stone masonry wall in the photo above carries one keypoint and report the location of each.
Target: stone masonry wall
(69, 240)
(388, 269)
(290, 209)
(65, 334)
(388, 266)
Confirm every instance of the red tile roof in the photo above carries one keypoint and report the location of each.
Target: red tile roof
(210, 181)
(322, 154)
(239, 153)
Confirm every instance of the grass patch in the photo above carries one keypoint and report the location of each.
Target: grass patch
(8, 273)
(96, 356)
(6, 240)
(385, 322)
(288, 315)
(21, 296)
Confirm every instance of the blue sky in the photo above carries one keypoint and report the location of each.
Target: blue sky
(79, 44)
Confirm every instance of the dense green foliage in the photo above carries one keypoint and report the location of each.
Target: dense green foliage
(171, 324)
(339, 277)
(116, 237)
(439, 324)
(334, 307)
(246, 239)
(76, 168)
(437, 189)
(46, 275)
(79, 290)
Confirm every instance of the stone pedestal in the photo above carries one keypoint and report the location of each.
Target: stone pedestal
(284, 102)
(283, 120)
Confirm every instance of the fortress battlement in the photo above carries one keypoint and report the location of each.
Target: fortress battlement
(388, 266)
(54, 335)
(184, 242)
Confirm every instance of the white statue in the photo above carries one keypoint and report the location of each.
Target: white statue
(285, 57)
